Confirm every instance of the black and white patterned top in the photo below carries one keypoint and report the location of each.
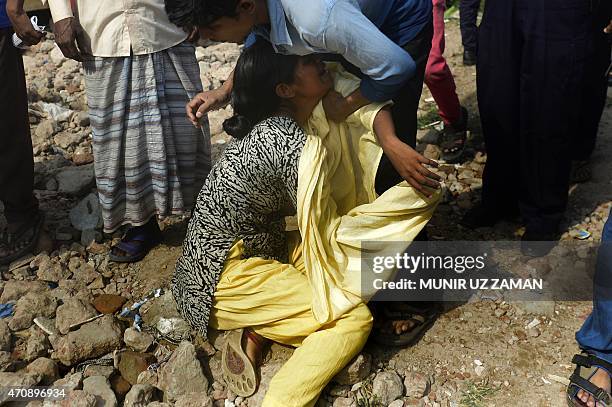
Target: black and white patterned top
(246, 196)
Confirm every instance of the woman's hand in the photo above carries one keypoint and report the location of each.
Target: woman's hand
(205, 102)
(411, 166)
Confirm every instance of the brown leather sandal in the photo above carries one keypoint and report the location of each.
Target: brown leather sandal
(239, 372)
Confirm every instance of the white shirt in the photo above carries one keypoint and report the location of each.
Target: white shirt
(113, 27)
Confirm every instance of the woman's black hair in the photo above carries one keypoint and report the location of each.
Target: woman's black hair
(199, 13)
(258, 72)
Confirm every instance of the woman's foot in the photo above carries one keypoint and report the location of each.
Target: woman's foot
(136, 243)
(601, 379)
(402, 324)
(240, 359)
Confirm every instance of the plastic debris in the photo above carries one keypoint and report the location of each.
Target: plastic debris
(583, 234)
(6, 310)
(133, 312)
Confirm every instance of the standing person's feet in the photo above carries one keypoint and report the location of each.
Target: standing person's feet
(453, 139)
(482, 216)
(590, 385)
(137, 242)
(469, 58)
(19, 239)
(538, 243)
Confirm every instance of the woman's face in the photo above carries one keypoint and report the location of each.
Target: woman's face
(312, 80)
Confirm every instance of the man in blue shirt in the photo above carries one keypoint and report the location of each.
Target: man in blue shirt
(388, 41)
(24, 220)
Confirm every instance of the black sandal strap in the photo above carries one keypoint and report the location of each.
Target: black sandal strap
(597, 392)
(588, 361)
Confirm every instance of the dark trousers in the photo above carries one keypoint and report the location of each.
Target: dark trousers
(595, 85)
(406, 105)
(16, 161)
(468, 15)
(531, 65)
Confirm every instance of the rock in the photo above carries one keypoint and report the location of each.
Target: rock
(357, 370)
(182, 374)
(46, 368)
(30, 306)
(66, 139)
(176, 328)
(417, 385)
(397, 403)
(45, 130)
(6, 362)
(14, 290)
(159, 404)
(140, 396)
(72, 311)
(99, 386)
(52, 270)
(131, 364)
(89, 236)
(387, 387)
(99, 370)
(75, 180)
(546, 308)
(267, 372)
(139, 341)
(92, 340)
(10, 379)
(82, 158)
(201, 399)
(38, 345)
(78, 398)
(163, 306)
(70, 382)
(5, 336)
(87, 214)
(148, 377)
(344, 402)
(120, 386)
(432, 152)
(82, 119)
(108, 303)
(86, 273)
(56, 56)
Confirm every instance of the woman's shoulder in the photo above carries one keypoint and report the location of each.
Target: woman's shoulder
(277, 127)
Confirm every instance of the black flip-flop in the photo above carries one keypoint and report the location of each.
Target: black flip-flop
(586, 366)
(421, 317)
(16, 242)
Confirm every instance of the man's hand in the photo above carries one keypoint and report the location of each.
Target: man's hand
(608, 29)
(205, 102)
(411, 166)
(69, 38)
(22, 24)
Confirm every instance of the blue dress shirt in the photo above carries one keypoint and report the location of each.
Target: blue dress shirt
(367, 33)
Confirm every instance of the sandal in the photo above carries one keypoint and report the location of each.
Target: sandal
(453, 139)
(586, 366)
(137, 243)
(581, 171)
(17, 244)
(421, 317)
(238, 370)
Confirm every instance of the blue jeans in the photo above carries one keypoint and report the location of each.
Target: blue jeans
(595, 336)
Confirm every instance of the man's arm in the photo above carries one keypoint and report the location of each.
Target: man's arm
(386, 65)
(21, 23)
(209, 100)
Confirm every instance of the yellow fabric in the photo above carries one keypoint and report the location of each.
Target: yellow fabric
(275, 300)
(338, 207)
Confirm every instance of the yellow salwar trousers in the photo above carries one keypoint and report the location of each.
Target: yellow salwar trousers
(275, 300)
